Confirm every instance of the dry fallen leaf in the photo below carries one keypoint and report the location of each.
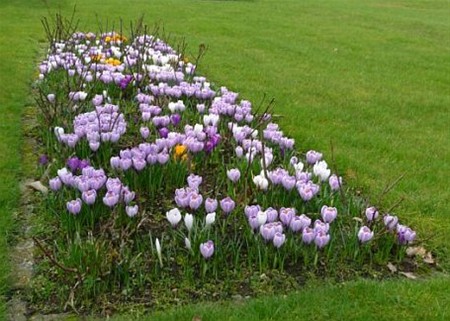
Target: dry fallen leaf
(37, 185)
(409, 275)
(416, 251)
(196, 318)
(392, 267)
(429, 259)
(358, 219)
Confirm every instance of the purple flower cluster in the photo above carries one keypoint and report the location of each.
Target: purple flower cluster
(105, 124)
(89, 183)
(272, 224)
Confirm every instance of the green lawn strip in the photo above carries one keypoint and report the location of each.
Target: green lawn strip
(19, 22)
(356, 300)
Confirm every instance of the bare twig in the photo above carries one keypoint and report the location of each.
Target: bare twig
(53, 260)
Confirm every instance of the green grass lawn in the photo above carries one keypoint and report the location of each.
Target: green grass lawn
(370, 78)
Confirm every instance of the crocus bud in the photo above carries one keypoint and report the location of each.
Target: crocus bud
(189, 221)
(210, 218)
(158, 251)
(187, 243)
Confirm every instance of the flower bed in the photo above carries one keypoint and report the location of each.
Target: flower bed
(166, 188)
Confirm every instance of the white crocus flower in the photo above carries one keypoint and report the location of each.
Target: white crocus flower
(174, 216)
(261, 181)
(299, 167)
(210, 218)
(189, 221)
(187, 243)
(262, 218)
(321, 170)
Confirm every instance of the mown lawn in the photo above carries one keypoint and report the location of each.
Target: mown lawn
(368, 78)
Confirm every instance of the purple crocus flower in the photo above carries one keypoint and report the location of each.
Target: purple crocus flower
(124, 82)
(195, 200)
(272, 214)
(89, 196)
(328, 213)
(43, 160)
(227, 205)
(239, 151)
(286, 215)
(279, 239)
(73, 163)
(131, 210)
(83, 164)
(312, 156)
(308, 235)
(74, 206)
(55, 184)
(288, 182)
(405, 235)
(321, 239)
(163, 132)
(253, 221)
(251, 209)
(233, 174)
(207, 249)
(390, 221)
(110, 199)
(267, 231)
(298, 223)
(175, 119)
(365, 234)
(127, 195)
(320, 226)
(194, 181)
(371, 213)
(335, 182)
(139, 163)
(145, 132)
(307, 190)
(210, 205)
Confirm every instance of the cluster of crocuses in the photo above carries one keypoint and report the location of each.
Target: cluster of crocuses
(177, 112)
(404, 234)
(272, 224)
(105, 124)
(89, 183)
